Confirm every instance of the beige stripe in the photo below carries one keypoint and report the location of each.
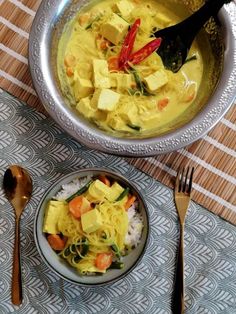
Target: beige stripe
(14, 27)
(17, 82)
(195, 185)
(21, 6)
(13, 54)
(209, 167)
(229, 124)
(220, 146)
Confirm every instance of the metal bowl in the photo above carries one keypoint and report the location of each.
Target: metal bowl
(58, 265)
(47, 27)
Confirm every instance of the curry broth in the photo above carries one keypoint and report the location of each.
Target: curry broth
(133, 115)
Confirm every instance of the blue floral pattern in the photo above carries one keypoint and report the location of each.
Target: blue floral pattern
(34, 141)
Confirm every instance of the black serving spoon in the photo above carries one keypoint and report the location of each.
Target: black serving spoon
(177, 39)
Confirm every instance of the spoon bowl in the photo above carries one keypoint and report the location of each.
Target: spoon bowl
(177, 39)
(17, 186)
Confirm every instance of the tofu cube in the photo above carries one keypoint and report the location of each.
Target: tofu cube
(121, 81)
(84, 107)
(150, 120)
(91, 221)
(51, 217)
(123, 7)
(82, 87)
(114, 29)
(101, 74)
(97, 191)
(156, 80)
(131, 115)
(115, 191)
(105, 99)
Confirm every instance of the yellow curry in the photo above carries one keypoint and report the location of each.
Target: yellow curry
(112, 76)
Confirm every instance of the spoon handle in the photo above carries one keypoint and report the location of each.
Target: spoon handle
(16, 292)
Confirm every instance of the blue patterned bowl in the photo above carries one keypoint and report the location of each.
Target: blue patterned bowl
(60, 267)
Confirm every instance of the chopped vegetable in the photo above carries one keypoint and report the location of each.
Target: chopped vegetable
(116, 250)
(113, 63)
(134, 127)
(78, 206)
(130, 201)
(116, 265)
(94, 20)
(79, 192)
(56, 242)
(123, 194)
(162, 103)
(103, 260)
(69, 72)
(140, 85)
(128, 44)
(104, 180)
(144, 52)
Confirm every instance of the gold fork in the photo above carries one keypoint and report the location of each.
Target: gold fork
(183, 189)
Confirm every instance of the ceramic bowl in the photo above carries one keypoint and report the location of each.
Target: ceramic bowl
(216, 94)
(63, 269)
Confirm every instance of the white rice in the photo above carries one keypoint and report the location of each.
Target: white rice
(70, 188)
(135, 225)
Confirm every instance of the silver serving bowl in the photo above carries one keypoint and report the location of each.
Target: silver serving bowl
(47, 27)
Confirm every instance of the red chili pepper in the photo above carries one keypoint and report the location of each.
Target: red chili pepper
(128, 43)
(144, 52)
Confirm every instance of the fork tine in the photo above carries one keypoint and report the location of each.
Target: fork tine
(178, 181)
(185, 181)
(181, 186)
(190, 181)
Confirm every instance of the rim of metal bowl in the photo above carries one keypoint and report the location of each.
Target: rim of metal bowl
(120, 178)
(39, 61)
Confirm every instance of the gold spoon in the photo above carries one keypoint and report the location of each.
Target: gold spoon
(17, 185)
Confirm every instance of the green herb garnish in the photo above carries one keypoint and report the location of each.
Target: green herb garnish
(80, 191)
(122, 195)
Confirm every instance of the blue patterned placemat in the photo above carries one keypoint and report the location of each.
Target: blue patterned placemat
(34, 141)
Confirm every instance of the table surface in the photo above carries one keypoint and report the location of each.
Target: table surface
(30, 138)
(213, 157)
(33, 140)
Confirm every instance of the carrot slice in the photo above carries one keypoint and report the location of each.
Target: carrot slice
(162, 103)
(104, 180)
(77, 206)
(103, 260)
(131, 199)
(56, 242)
(69, 72)
(113, 63)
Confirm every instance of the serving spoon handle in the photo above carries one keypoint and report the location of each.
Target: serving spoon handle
(177, 39)
(16, 272)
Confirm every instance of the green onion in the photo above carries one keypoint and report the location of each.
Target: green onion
(80, 191)
(94, 20)
(122, 195)
(134, 127)
(117, 265)
(116, 250)
(140, 85)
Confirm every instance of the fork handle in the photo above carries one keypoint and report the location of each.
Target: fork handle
(178, 304)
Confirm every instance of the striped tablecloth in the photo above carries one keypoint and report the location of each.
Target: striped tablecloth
(214, 156)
